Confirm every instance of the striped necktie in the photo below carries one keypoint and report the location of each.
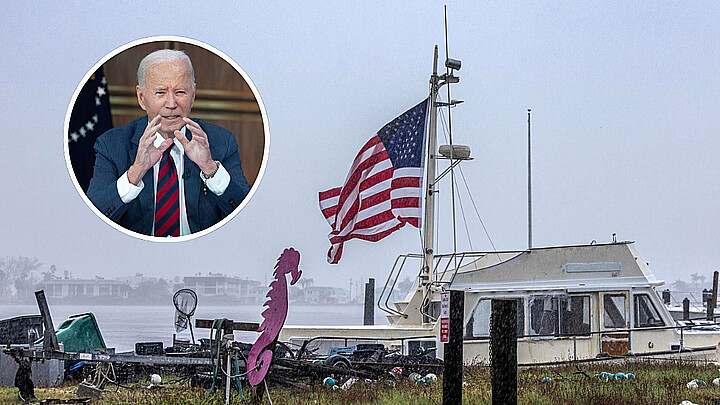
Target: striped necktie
(167, 203)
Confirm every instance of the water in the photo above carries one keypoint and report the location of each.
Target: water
(123, 326)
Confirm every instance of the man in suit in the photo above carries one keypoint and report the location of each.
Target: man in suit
(165, 174)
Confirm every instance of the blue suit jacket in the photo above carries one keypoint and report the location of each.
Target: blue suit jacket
(115, 152)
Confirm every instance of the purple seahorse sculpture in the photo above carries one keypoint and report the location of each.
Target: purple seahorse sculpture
(274, 316)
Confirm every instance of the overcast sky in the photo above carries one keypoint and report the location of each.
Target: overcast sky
(625, 101)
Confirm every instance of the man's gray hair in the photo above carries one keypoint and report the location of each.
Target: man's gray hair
(162, 56)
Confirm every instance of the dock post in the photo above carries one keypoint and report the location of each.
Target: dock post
(686, 309)
(714, 296)
(369, 318)
(503, 352)
(453, 364)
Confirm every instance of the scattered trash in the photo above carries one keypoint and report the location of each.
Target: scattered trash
(695, 384)
(432, 377)
(85, 389)
(329, 382)
(349, 383)
(630, 376)
(391, 383)
(155, 379)
(414, 377)
(465, 384)
(547, 380)
(396, 372)
(686, 402)
(716, 382)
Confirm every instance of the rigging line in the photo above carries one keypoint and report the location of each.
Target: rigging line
(462, 211)
(472, 200)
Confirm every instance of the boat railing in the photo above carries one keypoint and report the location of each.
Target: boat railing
(444, 269)
(304, 351)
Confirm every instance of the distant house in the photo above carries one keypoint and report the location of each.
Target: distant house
(73, 287)
(134, 281)
(325, 295)
(220, 285)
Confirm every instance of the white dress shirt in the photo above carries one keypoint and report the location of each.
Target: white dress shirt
(217, 184)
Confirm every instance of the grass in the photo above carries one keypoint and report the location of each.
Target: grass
(656, 383)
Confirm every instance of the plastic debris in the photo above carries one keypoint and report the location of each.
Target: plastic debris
(620, 376)
(414, 377)
(605, 376)
(329, 382)
(686, 402)
(349, 383)
(716, 382)
(465, 384)
(155, 379)
(432, 377)
(396, 372)
(547, 380)
(391, 383)
(695, 384)
(630, 376)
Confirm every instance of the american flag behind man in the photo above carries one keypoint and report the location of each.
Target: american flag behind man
(383, 189)
(90, 118)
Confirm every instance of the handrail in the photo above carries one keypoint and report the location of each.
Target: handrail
(437, 277)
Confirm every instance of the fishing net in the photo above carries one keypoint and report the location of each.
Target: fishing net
(185, 301)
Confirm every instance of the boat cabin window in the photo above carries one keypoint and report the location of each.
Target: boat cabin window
(479, 323)
(646, 315)
(614, 310)
(559, 315)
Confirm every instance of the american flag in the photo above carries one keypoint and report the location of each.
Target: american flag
(90, 118)
(383, 189)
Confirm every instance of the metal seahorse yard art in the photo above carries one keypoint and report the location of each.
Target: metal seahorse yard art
(274, 315)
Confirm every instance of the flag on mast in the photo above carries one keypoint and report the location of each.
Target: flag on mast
(383, 190)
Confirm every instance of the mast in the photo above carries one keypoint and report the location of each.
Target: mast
(429, 215)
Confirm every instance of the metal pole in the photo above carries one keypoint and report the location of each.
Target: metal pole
(429, 217)
(529, 187)
(686, 309)
(453, 351)
(227, 380)
(50, 341)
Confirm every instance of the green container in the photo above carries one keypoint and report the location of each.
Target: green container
(79, 333)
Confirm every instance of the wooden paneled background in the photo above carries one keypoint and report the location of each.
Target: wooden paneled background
(222, 97)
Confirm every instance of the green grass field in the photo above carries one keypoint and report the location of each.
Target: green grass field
(656, 383)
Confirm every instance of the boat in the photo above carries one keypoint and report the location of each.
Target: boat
(574, 303)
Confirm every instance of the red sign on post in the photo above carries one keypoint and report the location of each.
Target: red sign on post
(444, 317)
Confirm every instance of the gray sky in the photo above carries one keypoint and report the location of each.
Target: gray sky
(625, 125)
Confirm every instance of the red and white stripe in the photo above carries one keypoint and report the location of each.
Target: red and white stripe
(375, 201)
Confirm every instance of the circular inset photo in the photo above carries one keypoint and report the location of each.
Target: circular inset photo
(166, 138)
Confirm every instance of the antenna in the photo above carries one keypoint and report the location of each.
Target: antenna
(449, 105)
(529, 187)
